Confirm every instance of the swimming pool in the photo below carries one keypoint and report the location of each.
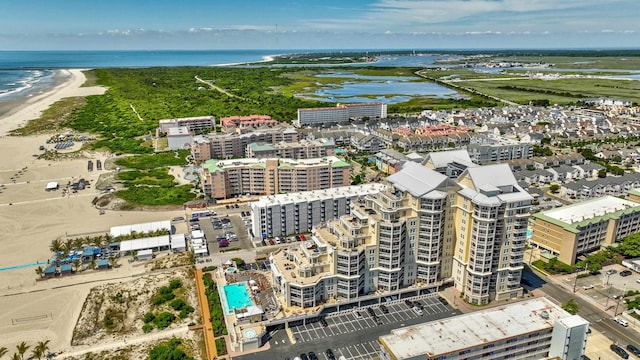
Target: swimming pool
(235, 296)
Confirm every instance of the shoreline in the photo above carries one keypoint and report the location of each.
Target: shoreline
(66, 83)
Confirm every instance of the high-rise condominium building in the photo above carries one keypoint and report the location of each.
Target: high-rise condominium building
(340, 113)
(423, 229)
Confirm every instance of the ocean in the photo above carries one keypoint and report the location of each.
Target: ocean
(23, 72)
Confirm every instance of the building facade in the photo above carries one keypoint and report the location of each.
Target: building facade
(198, 123)
(303, 149)
(221, 179)
(580, 228)
(423, 229)
(531, 329)
(230, 145)
(256, 121)
(296, 213)
(490, 149)
(340, 113)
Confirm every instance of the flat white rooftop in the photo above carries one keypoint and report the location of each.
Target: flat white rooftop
(116, 231)
(590, 209)
(471, 330)
(314, 195)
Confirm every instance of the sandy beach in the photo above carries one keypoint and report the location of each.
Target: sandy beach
(68, 84)
(30, 218)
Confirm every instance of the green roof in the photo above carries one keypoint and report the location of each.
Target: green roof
(340, 163)
(575, 227)
(285, 165)
(212, 166)
(634, 192)
(260, 147)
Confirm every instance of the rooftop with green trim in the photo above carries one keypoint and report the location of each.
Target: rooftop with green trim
(574, 217)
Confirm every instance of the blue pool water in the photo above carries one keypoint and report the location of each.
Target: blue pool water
(528, 233)
(236, 296)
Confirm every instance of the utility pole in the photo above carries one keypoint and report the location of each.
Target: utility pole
(624, 289)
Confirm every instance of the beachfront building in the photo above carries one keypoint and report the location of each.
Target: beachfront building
(451, 162)
(423, 230)
(492, 148)
(577, 229)
(296, 213)
(340, 113)
(390, 161)
(205, 147)
(223, 179)
(198, 123)
(491, 217)
(142, 228)
(303, 149)
(531, 329)
(179, 138)
(255, 121)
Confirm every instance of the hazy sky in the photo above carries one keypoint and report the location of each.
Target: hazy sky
(317, 24)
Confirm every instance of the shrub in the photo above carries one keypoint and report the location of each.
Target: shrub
(146, 328)
(164, 319)
(186, 311)
(175, 284)
(221, 347)
(168, 351)
(148, 317)
(178, 304)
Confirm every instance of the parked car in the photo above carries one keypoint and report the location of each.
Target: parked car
(329, 354)
(620, 351)
(443, 300)
(312, 355)
(357, 314)
(587, 287)
(384, 309)
(323, 322)
(624, 273)
(634, 349)
(304, 356)
(417, 311)
(611, 271)
(409, 303)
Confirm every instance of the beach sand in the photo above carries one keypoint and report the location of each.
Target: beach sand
(30, 218)
(68, 83)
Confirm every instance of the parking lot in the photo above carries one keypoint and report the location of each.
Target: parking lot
(351, 335)
(226, 224)
(359, 319)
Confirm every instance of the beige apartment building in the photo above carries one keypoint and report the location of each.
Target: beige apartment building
(424, 229)
(205, 147)
(303, 149)
(574, 230)
(223, 179)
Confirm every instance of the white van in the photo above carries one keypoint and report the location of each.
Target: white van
(417, 310)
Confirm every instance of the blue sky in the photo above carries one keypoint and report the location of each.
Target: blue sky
(317, 24)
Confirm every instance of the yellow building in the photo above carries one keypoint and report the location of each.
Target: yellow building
(574, 230)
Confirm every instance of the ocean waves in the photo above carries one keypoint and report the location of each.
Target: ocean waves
(17, 83)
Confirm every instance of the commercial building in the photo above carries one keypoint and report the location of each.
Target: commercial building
(451, 162)
(143, 228)
(255, 121)
(179, 138)
(303, 149)
(228, 178)
(205, 147)
(488, 149)
(340, 113)
(531, 329)
(198, 123)
(296, 213)
(577, 229)
(423, 229)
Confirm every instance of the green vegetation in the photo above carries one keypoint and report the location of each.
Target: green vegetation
(221, 347)
(561, 91)
(633, 304)
(171, 350)
(571, 307)
(553, 266)
(153, 161)
(595, 261)
(215, 307)
(51, 118)
(589, 155)
(630, 246)
(163, 93)
(165, 318)
(541, 151)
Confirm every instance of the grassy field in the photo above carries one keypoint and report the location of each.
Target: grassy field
(562, 91)
(567, 62)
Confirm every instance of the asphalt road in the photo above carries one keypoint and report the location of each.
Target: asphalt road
(599, 320)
